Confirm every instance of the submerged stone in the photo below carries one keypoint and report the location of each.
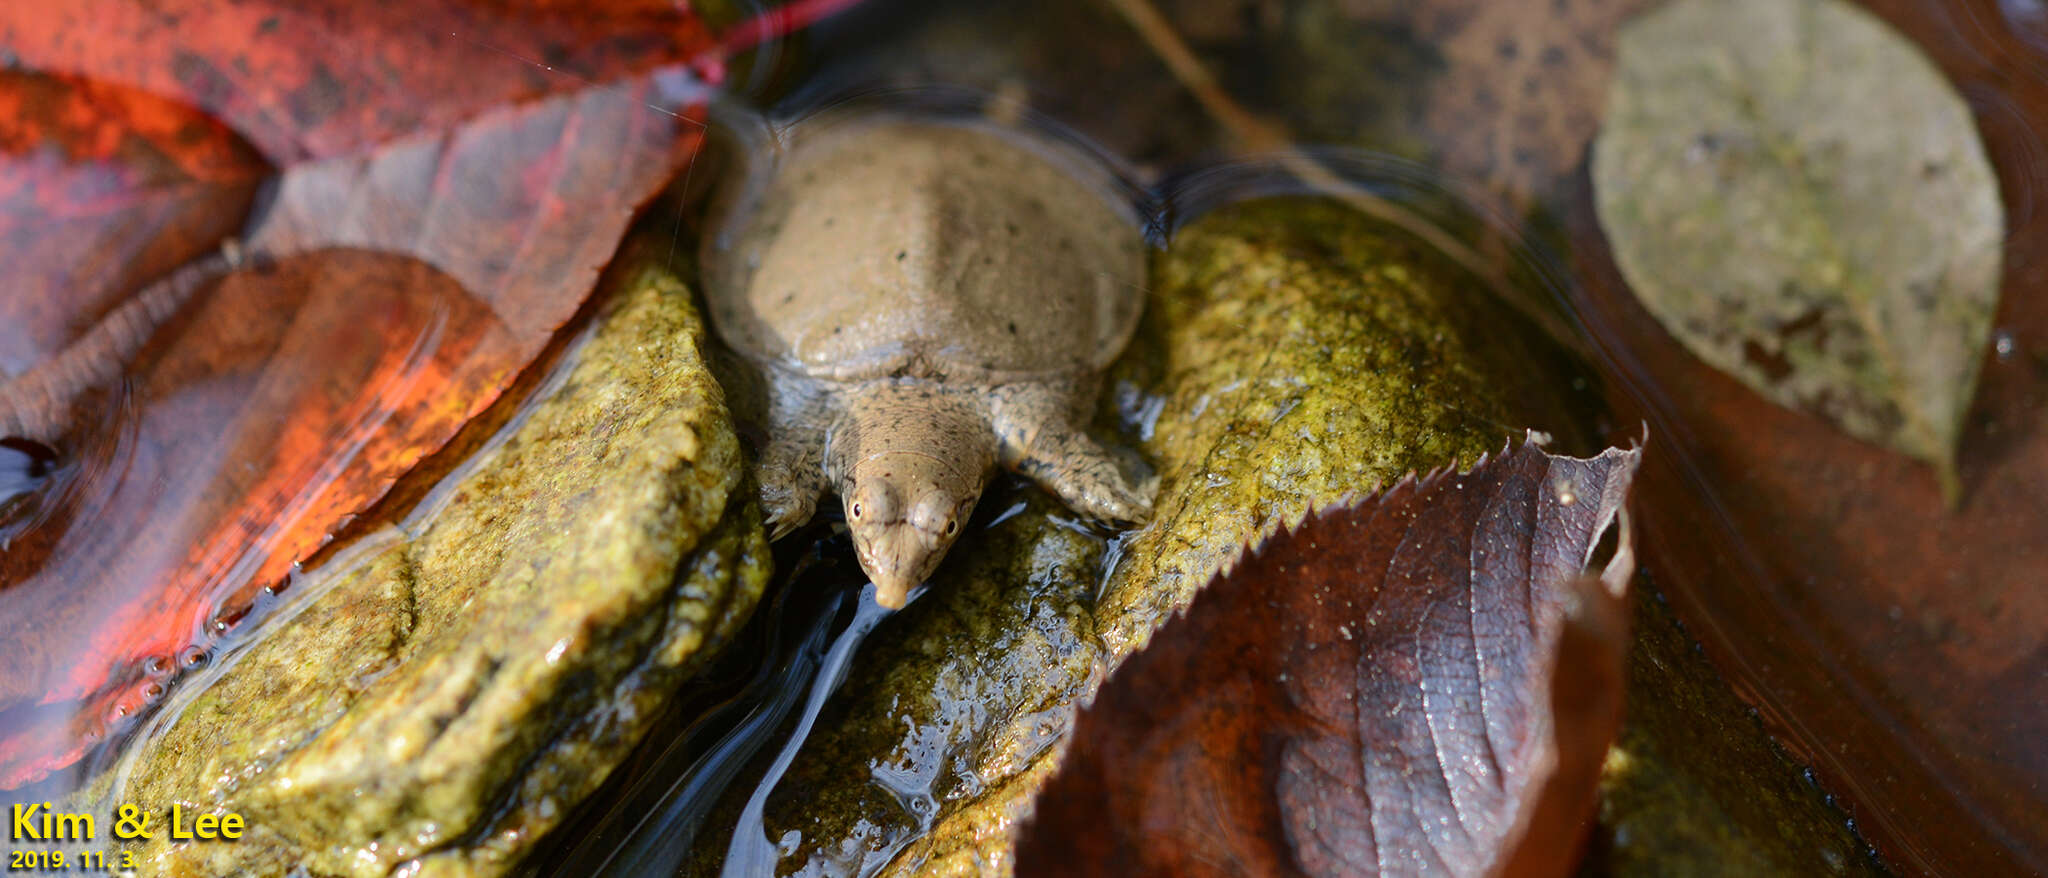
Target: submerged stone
(444, 693)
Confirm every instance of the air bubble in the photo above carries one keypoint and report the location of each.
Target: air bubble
(192, 657)
(2004, 346)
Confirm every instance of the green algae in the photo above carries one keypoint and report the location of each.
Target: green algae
(450, 694)
(1302, 353)
(1695, 787)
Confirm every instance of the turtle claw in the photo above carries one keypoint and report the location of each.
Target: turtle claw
(791, 476)
(779, 527)
(1105, 498)
(784, 513)
(1073, 466)
(1115, 502)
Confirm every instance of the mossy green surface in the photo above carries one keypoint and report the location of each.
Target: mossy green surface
(459, 683)
(1293, 352)
(1695, 788)
(1300, 352)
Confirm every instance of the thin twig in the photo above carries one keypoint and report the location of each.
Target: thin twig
(1256, 135)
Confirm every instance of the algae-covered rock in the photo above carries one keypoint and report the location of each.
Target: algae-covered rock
(447, 696)
(1300, 352)
(1293, 352)
(1694, 787)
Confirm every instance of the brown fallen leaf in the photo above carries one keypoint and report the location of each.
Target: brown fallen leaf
(1889, 640)
(313, 79)
(1420, 683)
(420, 247)
(1522, 90)
(102, 190)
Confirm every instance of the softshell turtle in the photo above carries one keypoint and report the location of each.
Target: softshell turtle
(926, 299)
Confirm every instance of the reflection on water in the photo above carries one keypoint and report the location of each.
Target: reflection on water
(128, 556)
(24, 467)
(282, 400)
(649, 818)
(752, 852)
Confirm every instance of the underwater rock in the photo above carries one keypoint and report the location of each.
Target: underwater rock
(1293, 352)
(458, 682)
(1694, 786)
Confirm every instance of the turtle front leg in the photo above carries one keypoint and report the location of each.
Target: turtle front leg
(792, 477)
(791, 470)
(1039, 436)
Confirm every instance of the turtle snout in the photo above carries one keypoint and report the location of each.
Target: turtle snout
(897, 558)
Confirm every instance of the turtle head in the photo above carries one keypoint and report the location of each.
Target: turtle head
(905, 508)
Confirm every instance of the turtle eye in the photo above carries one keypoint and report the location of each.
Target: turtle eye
(855, 511)
(952, 527)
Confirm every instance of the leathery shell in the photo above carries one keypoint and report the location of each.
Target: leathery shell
(917, 247)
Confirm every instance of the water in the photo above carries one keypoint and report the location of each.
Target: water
(189, 508)
(673, 793)
(217, 469)
(25, 466)
(652, 827)
(751, 851)
(1870, 684)
(1896, 677)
